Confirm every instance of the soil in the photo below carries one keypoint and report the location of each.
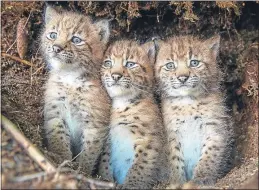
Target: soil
(22, 86)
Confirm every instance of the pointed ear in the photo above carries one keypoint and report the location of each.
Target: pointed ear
(104, 30)
(213, 43)
(50, 13)
(151, 49)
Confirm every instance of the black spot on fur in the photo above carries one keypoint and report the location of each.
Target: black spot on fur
(211, 123)
(126, 109)
(60, 132)
(79, 89)
(136, 117)
(122, 123)
(62, 98)
(196, 117)
(177, 148)
(60, 126)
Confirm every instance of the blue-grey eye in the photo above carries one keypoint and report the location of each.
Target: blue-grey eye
(170, 66)
(130, 64)
(52, 35)
(107, 64)
(194, 63)
(76, 40)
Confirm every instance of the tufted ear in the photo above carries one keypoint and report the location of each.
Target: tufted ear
(50, 13)
(104, 30)
(151, 49)
(213, 43)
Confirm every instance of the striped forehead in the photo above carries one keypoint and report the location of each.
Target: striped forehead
(180, 49)
(75, 25)
(120, 49)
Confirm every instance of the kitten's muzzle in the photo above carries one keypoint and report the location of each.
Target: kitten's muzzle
(116, 76)
(57, 48)
(183, 78)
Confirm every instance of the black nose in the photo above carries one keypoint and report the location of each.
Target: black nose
(57, 48)
(116, 76)
(183, 78)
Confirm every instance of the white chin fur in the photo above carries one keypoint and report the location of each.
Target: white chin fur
(117, 91)
(55, 63)
(183, 91)
(58, 64)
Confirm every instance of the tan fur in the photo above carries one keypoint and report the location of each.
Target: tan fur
(76, 110)
(197, 125)
(135, 117)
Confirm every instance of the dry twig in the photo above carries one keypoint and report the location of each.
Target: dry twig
(18, 59)
(32, 151)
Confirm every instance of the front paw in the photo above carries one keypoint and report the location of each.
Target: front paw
(119, 186)
(203, 181)
(190, 185)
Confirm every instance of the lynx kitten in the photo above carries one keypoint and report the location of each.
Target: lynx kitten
(76, 110)
(134, 152)
(197, 125)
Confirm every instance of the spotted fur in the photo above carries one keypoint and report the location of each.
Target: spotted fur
(76, 110)
(133, 156)
(198, 127)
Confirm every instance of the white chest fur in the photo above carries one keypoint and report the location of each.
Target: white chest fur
(190, 135)
(122, 152)
(63, 85)
(189, 125)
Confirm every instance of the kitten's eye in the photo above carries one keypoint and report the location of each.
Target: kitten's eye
(77, 41)
(52, 35)
(194, 63)
(170, 66)
(107, 64)
(130, 64)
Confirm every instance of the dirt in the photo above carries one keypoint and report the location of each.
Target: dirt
(22, 86)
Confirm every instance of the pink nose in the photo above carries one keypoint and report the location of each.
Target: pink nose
(57, 48)
(183, 78)
(116, 76)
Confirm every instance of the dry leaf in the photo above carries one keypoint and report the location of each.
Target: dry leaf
(22, 37)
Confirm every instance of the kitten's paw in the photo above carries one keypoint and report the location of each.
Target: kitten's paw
(56, 158)
(190, 185)
(119, 186)
(204, 181)
(53, 157)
